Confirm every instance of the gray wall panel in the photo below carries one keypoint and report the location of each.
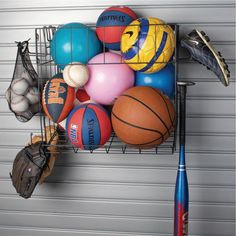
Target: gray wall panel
(128, 195)
(125, 191)
(142, 225)
(161, 209)
(196, 142)
(204, 161)
(131, 175)
(192, 15)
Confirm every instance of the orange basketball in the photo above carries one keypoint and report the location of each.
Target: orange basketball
(143, 116)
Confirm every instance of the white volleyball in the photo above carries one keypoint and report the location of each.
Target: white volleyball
(20, 86)
(33, 95)
(76, 75)
(19, 104)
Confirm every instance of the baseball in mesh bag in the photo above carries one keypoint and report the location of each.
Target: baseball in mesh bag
(23, 95)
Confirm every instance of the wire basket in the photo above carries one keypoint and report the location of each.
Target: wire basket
(47, 68)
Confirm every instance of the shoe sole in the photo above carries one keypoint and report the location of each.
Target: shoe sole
(212, 49)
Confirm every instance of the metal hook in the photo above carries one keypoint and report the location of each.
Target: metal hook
(185, 83)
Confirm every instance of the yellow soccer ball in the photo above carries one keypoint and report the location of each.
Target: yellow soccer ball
(147, 44)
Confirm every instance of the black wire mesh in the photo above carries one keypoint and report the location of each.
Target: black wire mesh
(47, 68)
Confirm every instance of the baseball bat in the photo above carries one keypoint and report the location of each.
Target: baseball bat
(181, 187)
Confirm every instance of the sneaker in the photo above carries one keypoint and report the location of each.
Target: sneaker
(199, 46)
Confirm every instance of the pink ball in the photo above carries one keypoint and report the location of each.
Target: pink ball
(107, 81)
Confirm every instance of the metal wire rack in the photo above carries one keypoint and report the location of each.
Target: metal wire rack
(47, 68)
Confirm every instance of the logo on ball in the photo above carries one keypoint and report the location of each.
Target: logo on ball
(55, 89)
(130, 33)
(91, 131)
(113, 17)
(73, 132)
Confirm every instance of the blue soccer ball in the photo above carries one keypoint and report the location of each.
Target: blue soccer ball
(74, 42)
(163, 80)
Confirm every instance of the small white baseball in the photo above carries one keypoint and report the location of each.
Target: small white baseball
(13, 95)
(20, 86)
(9, 94)
(76, 75)
(26, 76)
(33, 95)
(19, 104)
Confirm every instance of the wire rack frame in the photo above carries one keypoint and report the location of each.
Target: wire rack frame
(47, 68)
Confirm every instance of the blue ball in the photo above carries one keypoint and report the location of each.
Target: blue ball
(163, 80)
(74, 42)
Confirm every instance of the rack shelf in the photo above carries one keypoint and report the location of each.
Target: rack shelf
(46, 68)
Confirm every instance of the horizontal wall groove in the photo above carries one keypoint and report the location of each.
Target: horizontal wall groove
(107, 216)
(9, 113)
(97, 216)
(133, 167)
(199, 23)
(71, 214)
(36, 131)
(205, 134)
(205, 98)
(133, 6)
(115, 201)
(213, 116)
(132, 184)
(98, 232)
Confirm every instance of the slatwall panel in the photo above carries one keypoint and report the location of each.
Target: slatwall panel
(90, 195)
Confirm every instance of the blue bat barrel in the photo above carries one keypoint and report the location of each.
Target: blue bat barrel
(181, 198)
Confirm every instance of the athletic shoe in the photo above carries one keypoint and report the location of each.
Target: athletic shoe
(199, 46)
